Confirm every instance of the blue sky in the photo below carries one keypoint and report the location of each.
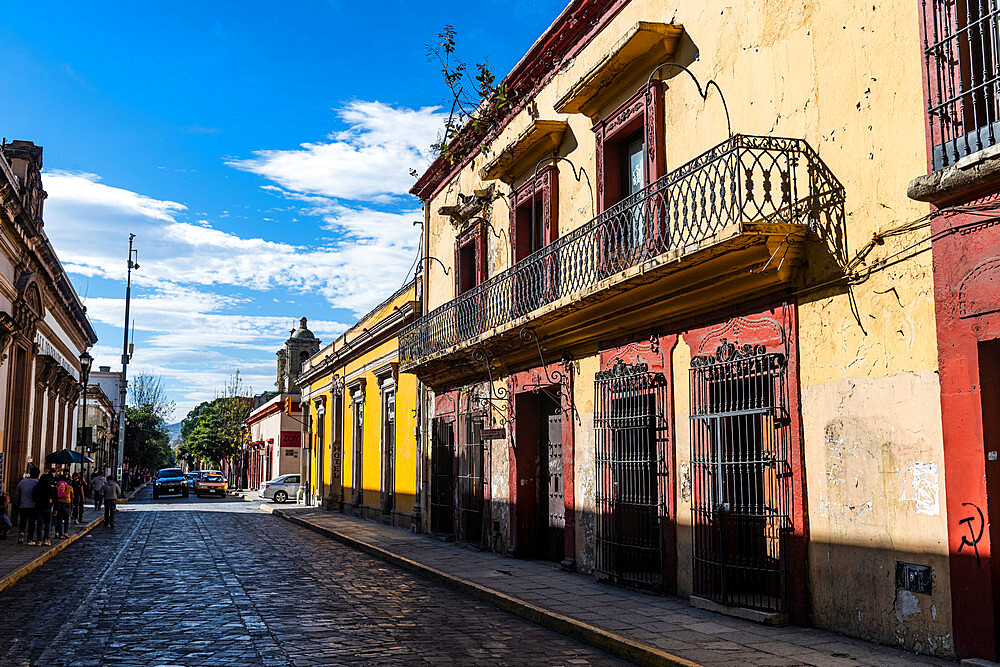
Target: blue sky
(260, 152)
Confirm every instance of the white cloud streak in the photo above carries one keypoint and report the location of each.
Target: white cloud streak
(371, 159)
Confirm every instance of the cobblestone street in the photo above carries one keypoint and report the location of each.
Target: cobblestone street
(216, 582)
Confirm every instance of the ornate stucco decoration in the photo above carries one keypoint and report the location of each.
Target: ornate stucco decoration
(468, 206)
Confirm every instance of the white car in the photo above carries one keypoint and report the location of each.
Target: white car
(281, 488)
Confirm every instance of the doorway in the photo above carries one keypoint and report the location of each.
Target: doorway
(552, 507)
(388, 451)
(539, 504)
(358, 462)
(741, 480)
(470, 478)
(443, 477)
(631, 439)
(989, 382)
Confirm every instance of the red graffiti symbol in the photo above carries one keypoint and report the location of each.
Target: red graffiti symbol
(974, 538)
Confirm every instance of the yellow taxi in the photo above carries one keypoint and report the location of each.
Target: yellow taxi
(210, 484)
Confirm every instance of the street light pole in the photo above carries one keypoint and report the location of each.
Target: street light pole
(85, 362)
(125, 357)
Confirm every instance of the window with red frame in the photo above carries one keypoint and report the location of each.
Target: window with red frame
(470, 257)
(534, 212)
(630, 144)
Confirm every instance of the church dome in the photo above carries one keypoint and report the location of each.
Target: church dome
(303, 331)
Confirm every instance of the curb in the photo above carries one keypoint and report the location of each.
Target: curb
(584, 632)
(25, 570)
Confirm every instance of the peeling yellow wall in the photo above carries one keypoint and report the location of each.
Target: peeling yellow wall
(845, 77)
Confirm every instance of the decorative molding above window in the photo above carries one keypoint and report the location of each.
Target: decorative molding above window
(641, 49)
(387, 373)
(518, 158)
(356, 388)
(468, 206)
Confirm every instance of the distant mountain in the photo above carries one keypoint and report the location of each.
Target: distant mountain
(175, 431)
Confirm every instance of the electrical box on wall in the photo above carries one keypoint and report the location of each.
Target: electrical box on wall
(913, 578)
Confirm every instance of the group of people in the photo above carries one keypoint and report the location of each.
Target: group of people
(56, 497)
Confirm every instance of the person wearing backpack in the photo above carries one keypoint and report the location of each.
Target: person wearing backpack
(43, 495)
(64, 505)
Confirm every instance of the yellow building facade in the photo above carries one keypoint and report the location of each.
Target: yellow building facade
(679, 316)
(360, 413)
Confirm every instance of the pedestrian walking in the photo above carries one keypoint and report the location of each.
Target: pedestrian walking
(97, 483)
(64, 505)
(5, 524)
(111, 493)
(77, 484)
(25, 502)
(44, 494)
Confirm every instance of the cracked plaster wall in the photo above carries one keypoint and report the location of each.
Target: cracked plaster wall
(846, 78)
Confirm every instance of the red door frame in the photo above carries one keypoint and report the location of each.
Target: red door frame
(657, 353)
(556, 377)
(777, 329)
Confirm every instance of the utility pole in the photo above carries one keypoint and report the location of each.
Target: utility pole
(125, 357)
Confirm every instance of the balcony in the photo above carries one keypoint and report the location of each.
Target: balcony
(729, 224)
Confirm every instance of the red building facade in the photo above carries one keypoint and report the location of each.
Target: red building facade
(963, 188)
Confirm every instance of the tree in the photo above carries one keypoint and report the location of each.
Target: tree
(477, 106)
(148, 389)
(147, 443)
(213, 431)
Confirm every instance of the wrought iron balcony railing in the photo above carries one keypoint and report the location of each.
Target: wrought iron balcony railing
(744, 179)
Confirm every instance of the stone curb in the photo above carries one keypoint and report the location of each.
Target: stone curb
(26, 569)
(584, 632)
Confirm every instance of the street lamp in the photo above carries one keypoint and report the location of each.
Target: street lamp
(125, 360)
(85, 363)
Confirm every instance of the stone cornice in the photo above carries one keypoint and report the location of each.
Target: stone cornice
(370, 338)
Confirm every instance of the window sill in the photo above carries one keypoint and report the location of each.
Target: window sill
(967, 179)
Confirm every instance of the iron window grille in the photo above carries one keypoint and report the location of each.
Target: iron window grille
(442, 498)
(740, 476)
(744, 179)
(961, 61)
(630, 432)
(470, 480)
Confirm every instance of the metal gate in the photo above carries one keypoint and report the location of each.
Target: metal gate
(443, 477)
(470, 478)
(740, 476)
(631, 433)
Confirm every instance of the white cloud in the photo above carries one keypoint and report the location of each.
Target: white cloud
(371, 159)
(365, 264)
(195, 322)
(190, 339)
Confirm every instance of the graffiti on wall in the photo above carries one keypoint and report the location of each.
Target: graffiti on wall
(975, 523)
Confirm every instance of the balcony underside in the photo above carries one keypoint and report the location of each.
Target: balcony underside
(737, 264)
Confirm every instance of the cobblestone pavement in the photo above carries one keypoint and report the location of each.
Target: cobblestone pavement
(216, 582)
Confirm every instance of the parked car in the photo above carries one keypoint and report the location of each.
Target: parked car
(211, 483)
(280, 488)
(170, 480)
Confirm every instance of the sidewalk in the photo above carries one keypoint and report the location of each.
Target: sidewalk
(647, 629)
(19, 560)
